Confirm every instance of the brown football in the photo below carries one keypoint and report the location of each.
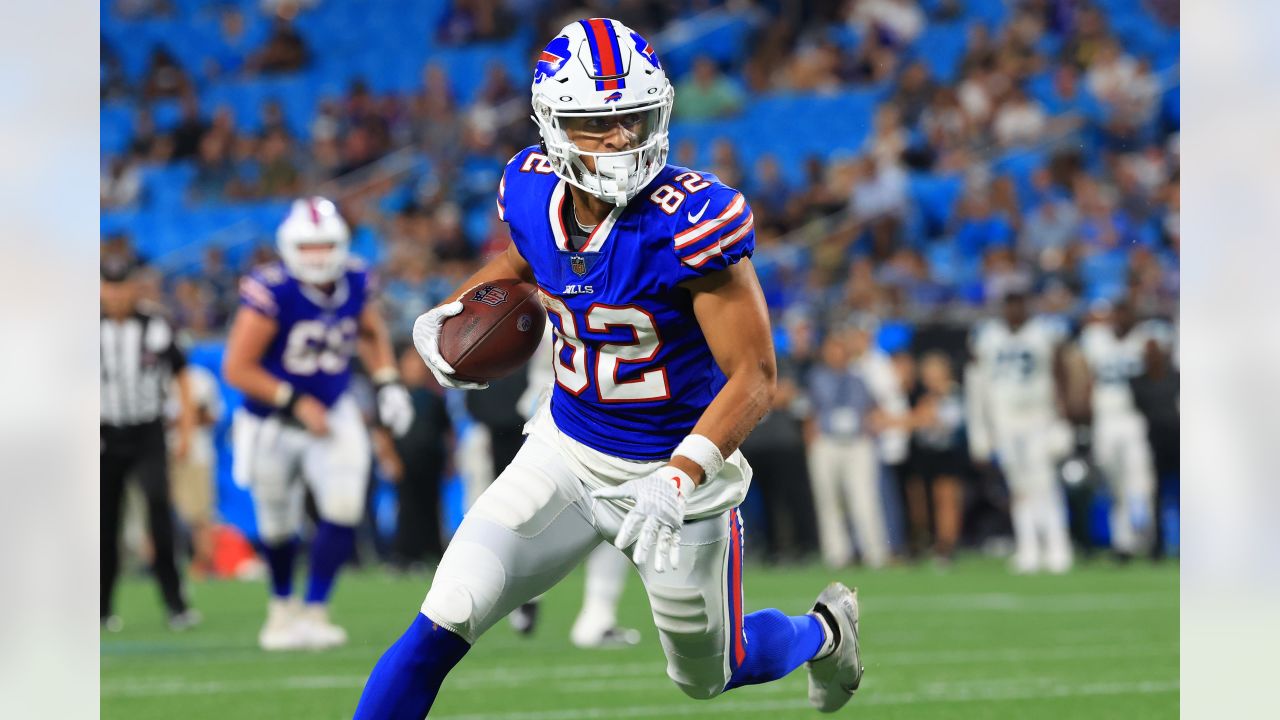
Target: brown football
(500, 326)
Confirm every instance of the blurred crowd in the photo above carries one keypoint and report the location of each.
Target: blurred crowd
(852, 261)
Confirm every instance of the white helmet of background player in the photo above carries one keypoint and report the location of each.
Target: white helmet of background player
(600, 68)
(314, 241)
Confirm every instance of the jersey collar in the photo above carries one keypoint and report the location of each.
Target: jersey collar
(555, 214)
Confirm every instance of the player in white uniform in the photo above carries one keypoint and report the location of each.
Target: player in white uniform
(300, 323)
(663, 362)
(1113, 346)
(1013, 406)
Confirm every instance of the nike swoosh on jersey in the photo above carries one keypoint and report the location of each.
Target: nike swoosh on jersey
(695, 218)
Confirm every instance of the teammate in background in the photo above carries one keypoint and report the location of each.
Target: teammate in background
(1014, 392)
(1113, 346)
(663, 364)
(290, 349)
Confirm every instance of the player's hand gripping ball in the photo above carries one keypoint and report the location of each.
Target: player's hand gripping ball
(488, 333)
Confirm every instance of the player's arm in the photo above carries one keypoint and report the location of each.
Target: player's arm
(977, 407)
(186, 420)
(251, 334)
(373, 345)
(731, 311)
(508, 264)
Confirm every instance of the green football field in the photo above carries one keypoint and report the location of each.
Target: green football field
(972, 642)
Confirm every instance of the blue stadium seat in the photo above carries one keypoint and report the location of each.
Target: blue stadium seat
(936, 196)
(942, 47)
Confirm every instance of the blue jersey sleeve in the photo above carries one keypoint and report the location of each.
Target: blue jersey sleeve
(258, 290)
(713, 230)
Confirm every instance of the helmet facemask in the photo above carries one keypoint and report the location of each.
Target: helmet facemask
(619, 174)
(318, 262)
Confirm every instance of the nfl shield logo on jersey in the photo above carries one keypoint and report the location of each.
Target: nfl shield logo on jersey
(579, 265)
(490, 295)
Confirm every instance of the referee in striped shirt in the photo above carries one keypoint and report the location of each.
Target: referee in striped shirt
(139, 360)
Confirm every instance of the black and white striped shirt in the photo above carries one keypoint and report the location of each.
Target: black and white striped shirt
(139, 359)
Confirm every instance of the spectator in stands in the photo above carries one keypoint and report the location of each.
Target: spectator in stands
(165, 78)
(706, 94)
(874, 62)
(939, 458)
(468, 21)
(223, 283)
(186, 135)
(1048, 227)
(915, 88)
(724, 162)
(433, 118)
(246, 168)
(147, 145)
(279, 173)
(1019, 121)
(897, 22)
(285, 50)
(233, 44)
(978, 225)
(213, 169)
(769, 190)
(881, 189)
(121, 183)
(114, 84)
(888, 137)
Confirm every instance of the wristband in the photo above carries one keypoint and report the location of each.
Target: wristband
(684, 484)
(385, 376)
(702, 451)
(284, 397)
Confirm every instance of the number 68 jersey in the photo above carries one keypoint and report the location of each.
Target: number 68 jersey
(633, 372)
(316, 332)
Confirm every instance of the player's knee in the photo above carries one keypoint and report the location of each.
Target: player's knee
(466, 589)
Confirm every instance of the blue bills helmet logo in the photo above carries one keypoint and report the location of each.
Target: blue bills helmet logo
(553, 57)
(578, 264)
(646, 50)
(491, 295)
(615, 97)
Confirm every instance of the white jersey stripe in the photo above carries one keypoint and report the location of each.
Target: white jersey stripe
(705, 228)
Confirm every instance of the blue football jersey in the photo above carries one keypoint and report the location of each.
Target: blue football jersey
(633, 369)
(316, 333)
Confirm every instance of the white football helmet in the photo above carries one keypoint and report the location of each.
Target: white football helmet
(314, 241)
(595, 75)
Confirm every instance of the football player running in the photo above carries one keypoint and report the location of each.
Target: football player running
(289, 351)
(1014, 389)
(663, 363)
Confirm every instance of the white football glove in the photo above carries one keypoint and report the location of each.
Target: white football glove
(655, 521)
(395, 408)
(426, 339)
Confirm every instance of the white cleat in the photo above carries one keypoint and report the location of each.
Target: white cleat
(281, 631)
(318, 632)
(834, 677)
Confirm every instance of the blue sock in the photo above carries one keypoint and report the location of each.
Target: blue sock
(332, 546)
(776, 644)
(280, 558)
(404, 683)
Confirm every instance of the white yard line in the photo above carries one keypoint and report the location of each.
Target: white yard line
(968, 692)
(601, 677)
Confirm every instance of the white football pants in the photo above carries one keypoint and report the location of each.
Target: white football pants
(537, 521)
(846, 488)
(269, 455)
(1122, 452)
(1037, 506)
